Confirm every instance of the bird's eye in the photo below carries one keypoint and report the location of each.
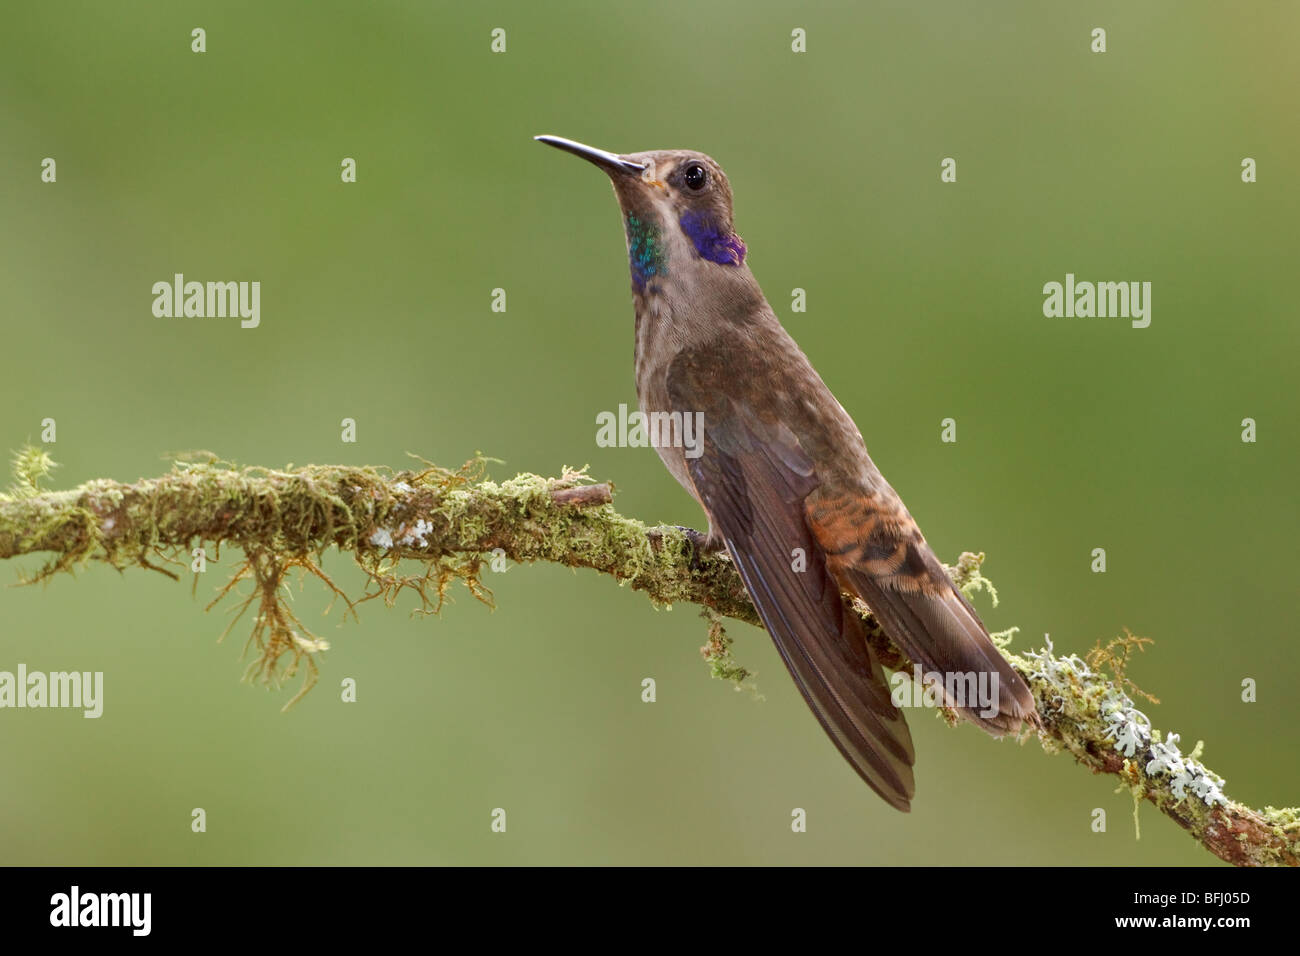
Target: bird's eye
(695, 176)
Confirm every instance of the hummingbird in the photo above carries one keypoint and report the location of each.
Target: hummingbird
(783, 475)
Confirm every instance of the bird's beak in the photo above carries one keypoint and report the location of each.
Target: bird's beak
(602, 158)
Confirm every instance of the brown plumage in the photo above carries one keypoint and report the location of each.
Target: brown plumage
(784, 476)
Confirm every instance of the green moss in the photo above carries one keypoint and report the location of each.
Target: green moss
(30, 465)
(717, 654)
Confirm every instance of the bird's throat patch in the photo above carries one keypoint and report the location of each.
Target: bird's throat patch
(645, 250)
(712, 242)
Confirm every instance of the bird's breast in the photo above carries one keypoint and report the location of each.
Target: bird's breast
(657, 344)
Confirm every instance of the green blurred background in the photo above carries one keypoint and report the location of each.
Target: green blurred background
(924, 301)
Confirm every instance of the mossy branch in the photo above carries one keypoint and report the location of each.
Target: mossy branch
(455, 522)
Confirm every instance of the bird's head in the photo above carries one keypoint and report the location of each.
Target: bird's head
(676, 210)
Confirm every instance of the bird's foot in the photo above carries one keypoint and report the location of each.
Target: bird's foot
(701, 544)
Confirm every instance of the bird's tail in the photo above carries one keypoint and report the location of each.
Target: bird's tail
(939, 630)
(875, 551)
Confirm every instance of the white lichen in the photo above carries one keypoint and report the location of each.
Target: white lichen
(1128, 727)
(418, 534)
(1165, 757)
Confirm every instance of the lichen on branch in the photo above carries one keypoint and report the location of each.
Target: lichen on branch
(449, 524)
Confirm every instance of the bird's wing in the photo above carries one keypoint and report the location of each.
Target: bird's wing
(752, 478)
(875, 550)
